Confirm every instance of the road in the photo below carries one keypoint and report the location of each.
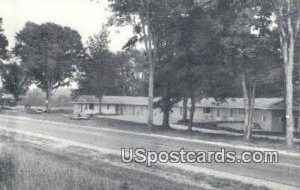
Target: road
(287, 171)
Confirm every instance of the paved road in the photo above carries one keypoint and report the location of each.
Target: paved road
(287, 171)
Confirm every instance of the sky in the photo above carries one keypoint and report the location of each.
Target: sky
(85, 16)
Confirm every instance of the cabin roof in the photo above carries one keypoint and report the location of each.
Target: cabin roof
(260, 103)
(126, 100)
(86, 99)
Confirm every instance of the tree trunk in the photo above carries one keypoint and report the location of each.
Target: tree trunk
(288, 57)
(166, 109)
(247, 107)
(192, 110)
(251, 110)
(289, 67)
(289, 105)
(151, 59)
(287, 42)
(16, 97)
(184, 109)
(150, 94)
(166, 116)
(298, 121)
(48, 98)
(249, 101)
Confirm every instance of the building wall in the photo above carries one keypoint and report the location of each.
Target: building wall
(263, 118)
(176, 113)
(128, 109)
(269, 120)
(86, 109)
(215, 114)
(278, 120)
(108, 109)
(137, 110)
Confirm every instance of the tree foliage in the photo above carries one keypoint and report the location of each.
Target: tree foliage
(3, 42)
(14, 80)
(49, 54)
(107, 73)
(287, 21)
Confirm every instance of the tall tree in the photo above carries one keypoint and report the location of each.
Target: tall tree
(49, 53)
(287, 24)
(251, 54)
(15, 80)
(107, 73)
(3, 42)
(288, 20)
(145, 16)
(131, 68)
(197, 54)
(97, 72)
(254, 62)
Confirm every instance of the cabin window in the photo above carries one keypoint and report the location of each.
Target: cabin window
(91, 106)
(107, 106)
(86, 106)
(282, 119)
(218, 112)
(207, 110)
(264, 118)
(241, 111)
(230, 112)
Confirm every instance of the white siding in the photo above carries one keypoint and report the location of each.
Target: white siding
(108, 109)
(176, 113)
(86, 109)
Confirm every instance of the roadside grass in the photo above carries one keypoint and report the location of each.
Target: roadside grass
(27, 169)
(139, 127)
(23, 170)
(25, 166)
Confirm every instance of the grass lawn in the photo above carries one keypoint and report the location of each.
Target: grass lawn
(25, 166)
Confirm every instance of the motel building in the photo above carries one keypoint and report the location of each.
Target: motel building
(269, 113)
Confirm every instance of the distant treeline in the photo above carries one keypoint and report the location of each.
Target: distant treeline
(36, 97)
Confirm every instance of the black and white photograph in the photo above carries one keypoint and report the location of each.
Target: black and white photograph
(149, 94)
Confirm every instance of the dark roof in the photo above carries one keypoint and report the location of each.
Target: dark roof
(126, 100)
(86, 99)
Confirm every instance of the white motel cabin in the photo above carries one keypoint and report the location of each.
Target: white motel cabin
(268, 112)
